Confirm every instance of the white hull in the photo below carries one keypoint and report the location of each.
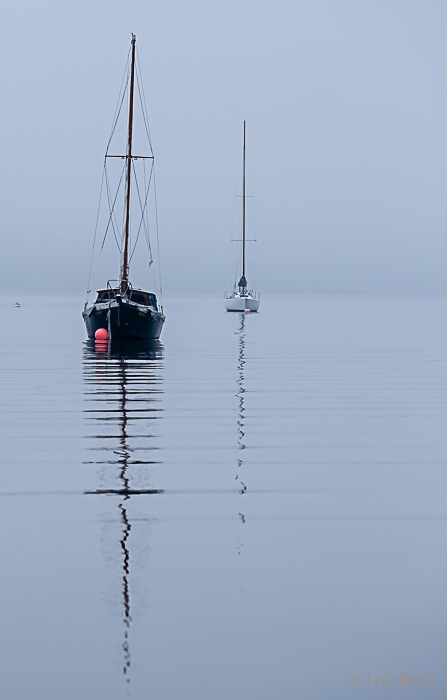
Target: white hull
(241, 303)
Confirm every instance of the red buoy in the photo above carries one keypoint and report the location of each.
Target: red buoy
(101, 334)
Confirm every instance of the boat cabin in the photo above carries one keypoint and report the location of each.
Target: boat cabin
(137, 296)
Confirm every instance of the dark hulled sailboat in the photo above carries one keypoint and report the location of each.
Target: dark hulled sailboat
(125, 313)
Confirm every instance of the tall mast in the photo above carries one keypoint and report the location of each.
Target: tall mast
(124, 280)
(243, 218)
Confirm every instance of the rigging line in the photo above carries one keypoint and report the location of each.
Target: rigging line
(144, 210)
(143, 105)
(112, 208)
(117, 116)
(158, 240)
(142, 221)
(146, 189)
(96, 229)
(145, 119)
(146, 228)
(112, 217)
(120, 104)
(143, 101)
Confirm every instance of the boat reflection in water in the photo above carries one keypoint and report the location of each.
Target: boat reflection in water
(241, 413)
(123, 391)
(240, 396)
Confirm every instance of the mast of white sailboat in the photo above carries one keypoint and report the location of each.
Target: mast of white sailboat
(243, 219)
(124, 270)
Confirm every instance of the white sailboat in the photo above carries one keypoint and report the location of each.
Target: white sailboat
(242, 298)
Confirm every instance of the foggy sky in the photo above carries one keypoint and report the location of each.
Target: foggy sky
(346, 115)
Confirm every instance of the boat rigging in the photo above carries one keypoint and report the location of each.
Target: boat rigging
(242, 299)
(121, 312)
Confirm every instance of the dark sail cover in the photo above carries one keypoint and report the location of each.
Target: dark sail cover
(242, 282)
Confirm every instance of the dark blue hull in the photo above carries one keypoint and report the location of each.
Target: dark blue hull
(124, 321)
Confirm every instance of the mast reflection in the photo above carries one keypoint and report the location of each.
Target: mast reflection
(240, 396)
(124, 384)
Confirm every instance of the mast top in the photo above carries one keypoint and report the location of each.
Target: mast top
(125, 261)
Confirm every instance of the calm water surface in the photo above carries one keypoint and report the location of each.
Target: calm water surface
(254, 508)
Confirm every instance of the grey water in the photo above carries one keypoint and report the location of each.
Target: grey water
(253, 508)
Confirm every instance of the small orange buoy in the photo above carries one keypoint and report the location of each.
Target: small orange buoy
(247, 311)
(101, 334)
